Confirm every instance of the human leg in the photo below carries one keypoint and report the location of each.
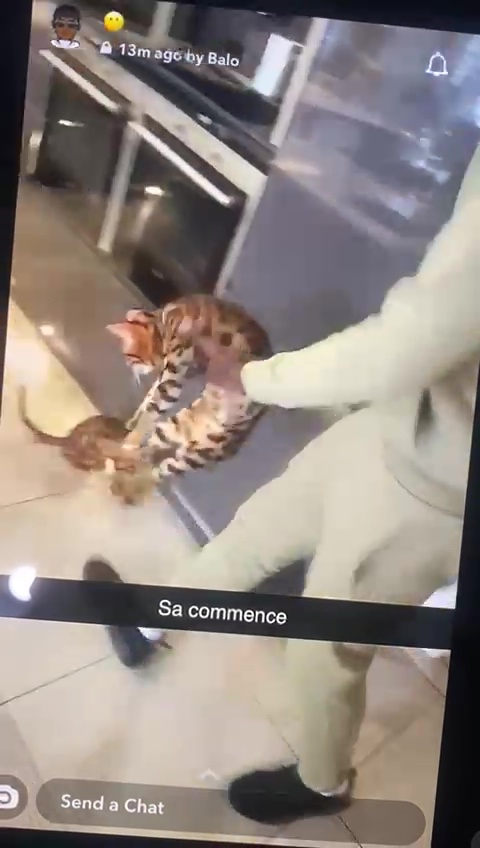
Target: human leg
(378, 544)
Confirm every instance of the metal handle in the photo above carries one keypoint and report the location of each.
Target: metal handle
(82, 83)
(175, 159)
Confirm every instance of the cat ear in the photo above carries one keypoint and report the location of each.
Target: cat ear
(185, 327)
(139, 316)
(122, 330)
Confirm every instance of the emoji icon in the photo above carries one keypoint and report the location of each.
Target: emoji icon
(114, 21)
(66, 23)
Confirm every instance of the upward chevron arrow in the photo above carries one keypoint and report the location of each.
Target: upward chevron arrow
(209, 775)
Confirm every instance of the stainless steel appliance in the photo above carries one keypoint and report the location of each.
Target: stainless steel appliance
(159, 195)
(77, 150)
(178, 218)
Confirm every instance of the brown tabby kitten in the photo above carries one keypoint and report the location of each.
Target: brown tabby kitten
(197, 437)
(165, 341)
(213, 426)
(88, 445)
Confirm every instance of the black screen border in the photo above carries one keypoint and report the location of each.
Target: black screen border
(457, 815)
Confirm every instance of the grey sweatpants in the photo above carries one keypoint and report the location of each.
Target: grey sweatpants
(370, 540)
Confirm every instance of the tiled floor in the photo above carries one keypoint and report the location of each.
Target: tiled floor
(68, 709)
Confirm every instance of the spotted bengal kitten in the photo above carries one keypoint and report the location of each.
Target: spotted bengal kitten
(214, 426)
(86, 446)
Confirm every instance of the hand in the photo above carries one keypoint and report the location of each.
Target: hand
(224, 367)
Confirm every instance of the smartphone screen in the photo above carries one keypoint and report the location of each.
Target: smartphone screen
(166, 642)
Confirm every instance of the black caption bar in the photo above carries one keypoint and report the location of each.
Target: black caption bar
(126, 604)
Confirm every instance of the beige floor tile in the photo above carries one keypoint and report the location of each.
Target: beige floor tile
(42, 651)
(33, 472)
(166, 725)
(405, 769)
(435, 669)
(57, 534)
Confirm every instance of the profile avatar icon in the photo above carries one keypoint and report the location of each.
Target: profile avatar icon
(66, 22)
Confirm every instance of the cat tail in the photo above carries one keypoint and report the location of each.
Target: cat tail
(40, 435)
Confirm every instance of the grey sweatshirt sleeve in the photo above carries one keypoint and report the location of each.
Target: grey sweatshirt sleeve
(427, 325)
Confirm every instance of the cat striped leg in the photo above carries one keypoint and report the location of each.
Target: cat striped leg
(161, 396)
(214, 447)
(165, 456)
(183, 443)
(167, 389)
(175, 447)
(186, 459)
(199, 435)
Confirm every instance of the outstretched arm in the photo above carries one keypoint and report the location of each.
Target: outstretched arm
(428, 325)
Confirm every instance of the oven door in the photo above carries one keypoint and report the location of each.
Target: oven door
(76, 153)
(178, 220)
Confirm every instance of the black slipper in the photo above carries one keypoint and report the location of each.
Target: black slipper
(279, 796)
(130, 646)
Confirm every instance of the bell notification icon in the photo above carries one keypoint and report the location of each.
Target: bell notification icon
(437, 66)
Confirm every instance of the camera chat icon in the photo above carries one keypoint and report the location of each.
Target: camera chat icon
(13, 796)
(9, 797)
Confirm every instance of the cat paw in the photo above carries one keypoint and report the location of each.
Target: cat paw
(132, 442)
(110, 467)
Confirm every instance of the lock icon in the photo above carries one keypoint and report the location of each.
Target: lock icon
(106, 48)
(437, 65)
